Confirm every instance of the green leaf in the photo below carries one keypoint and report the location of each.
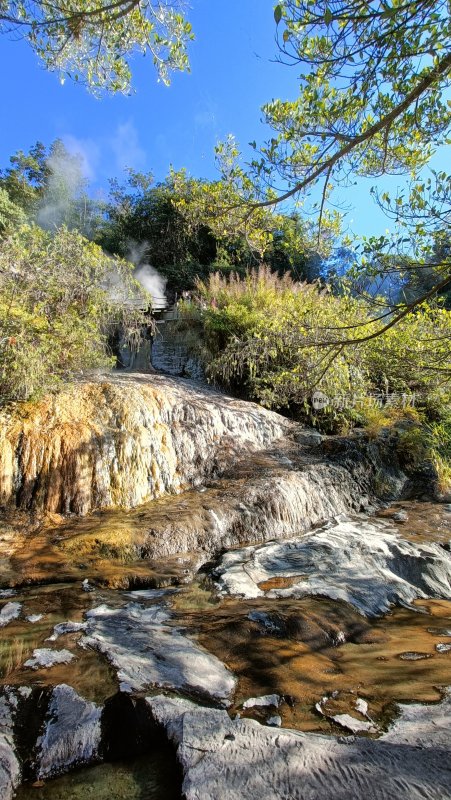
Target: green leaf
(278, 14)
(328, 16)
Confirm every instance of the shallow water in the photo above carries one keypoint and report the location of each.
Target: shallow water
(305, 649)
(153, 776)
(426, 522)
(301, 649)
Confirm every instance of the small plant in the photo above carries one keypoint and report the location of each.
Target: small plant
(377, 418)
(279, 341)
(429, 443)
(13, 653)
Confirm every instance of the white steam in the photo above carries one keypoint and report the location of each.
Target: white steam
(147, 275)
(65, 184)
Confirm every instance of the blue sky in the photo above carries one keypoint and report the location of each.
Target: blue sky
(233, 73)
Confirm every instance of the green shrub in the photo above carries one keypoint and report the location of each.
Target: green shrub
(264, 335)
(60, 295)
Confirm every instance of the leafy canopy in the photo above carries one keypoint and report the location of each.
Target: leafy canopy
(175, 226)
(49, 185)
(93, 41)
(371, 95)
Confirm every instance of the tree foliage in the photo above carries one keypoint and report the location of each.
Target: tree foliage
(93, 41)
(175, 226)
(49, 185)
(372, 102)
(11, 215)
(371, 98)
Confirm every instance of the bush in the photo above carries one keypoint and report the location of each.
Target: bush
(263, 337)
(429, 443)
(60, 295)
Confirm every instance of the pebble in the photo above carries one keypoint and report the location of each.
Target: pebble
(264, 700)
(411, 656)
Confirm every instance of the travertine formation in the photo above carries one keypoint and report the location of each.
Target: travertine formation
(146, 651)
(243, 759)
(122, 440)
(364, 562)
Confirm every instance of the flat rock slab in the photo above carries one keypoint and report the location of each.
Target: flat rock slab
(363, 562)
(44, 657)
(9, 768)
(230, 759)
(9, 764)
(9, 612)
(146, 651)
(71, 734)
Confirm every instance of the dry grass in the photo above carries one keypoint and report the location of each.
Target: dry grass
(13, 653)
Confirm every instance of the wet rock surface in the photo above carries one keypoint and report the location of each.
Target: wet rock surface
(71, 734)
(365, 563)
(9, 765)
(228, 758)
(9, 612)
(122, 439)
(44, 657)
(241, 474)
(309, 629)
(146, 651)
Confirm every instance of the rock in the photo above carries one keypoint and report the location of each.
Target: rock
(443, 647)
(328, 708)
(230, 759)
(400, 516)
(361, 706)
(138, 437)
(9, 768)
(443, 497)
(71, 735)
(9, 612)
(363, 562)
(9, 764)
(413, 656)
(275, 721)
(43, 658)
(309, 437)
(33, 618)
(66, 627)
(264, 700)
(440, 631)
(147, 651)
(352, 724)
(267, 622)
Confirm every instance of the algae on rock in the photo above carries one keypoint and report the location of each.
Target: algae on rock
(120, 440)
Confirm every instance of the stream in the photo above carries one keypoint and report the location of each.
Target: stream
(241, 627)
(201, 599)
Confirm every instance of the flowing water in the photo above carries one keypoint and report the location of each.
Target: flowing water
(299, 647)
(159, 537)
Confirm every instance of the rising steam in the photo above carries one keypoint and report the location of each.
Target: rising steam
(147, 275)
